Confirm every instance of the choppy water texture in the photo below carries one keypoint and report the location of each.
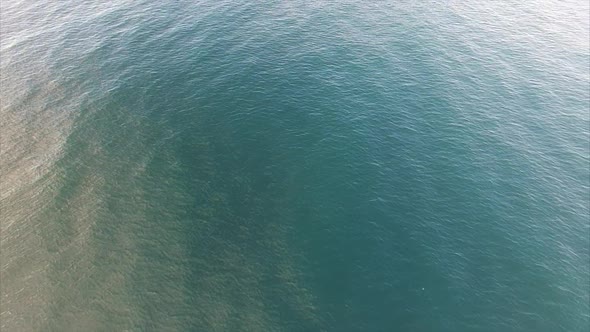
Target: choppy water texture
(295, 166)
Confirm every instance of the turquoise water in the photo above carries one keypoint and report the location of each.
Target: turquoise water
(295, 166)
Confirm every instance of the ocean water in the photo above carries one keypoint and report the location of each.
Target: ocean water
(295, 165)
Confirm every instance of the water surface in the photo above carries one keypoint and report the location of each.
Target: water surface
(295, 166)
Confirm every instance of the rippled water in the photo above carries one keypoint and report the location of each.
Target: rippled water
(295, 166)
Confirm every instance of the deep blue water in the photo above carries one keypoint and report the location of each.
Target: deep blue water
(295, 166)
